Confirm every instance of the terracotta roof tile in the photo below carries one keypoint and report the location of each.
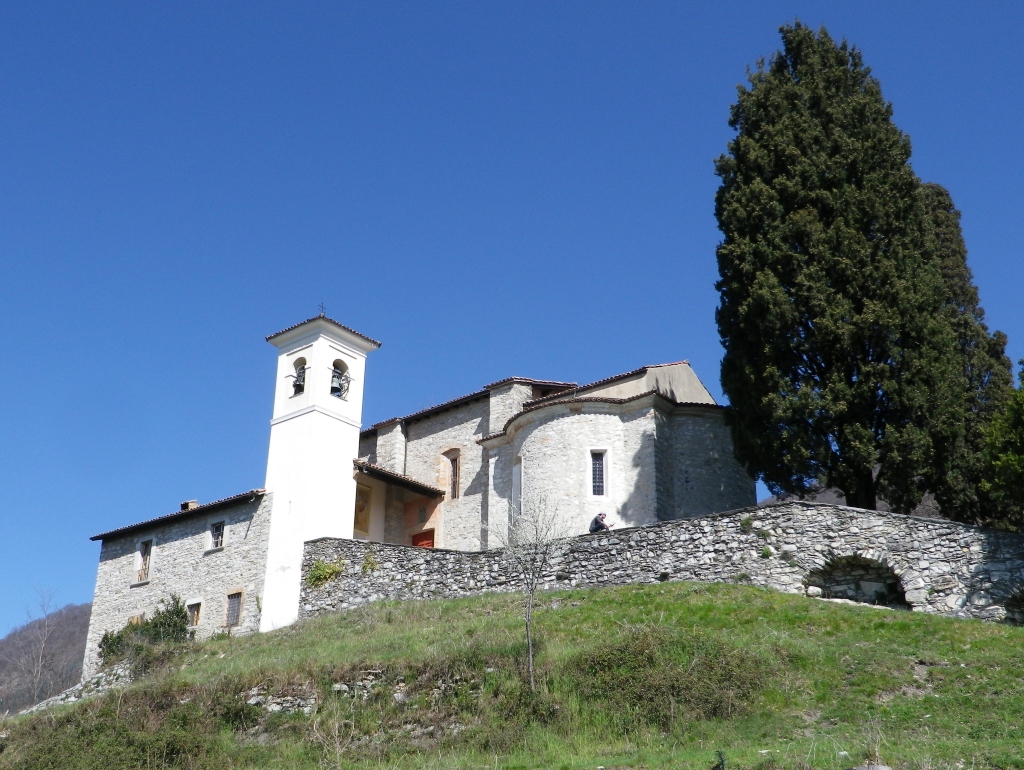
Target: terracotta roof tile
(329, 320)
(371, 469)
(205, 508)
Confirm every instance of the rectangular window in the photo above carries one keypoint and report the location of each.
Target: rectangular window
(193, 614)
(217, 535)
(234, 609)
(145, 555)
(455, 477)
(517, 488)
(597, 472)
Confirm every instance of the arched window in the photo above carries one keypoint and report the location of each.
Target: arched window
(299, 383)
(340, 379)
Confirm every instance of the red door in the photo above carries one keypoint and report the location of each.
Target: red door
(424, 539)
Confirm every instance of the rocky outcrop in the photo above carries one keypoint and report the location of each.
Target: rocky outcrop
(118, 675)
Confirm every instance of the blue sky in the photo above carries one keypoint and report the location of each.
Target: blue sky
(488, 188)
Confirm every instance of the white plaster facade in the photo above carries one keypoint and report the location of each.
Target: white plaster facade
(442, 477)
(312, 433)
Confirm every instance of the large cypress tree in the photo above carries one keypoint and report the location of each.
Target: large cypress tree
(985, 378)
(840, 364)
(1003, 469)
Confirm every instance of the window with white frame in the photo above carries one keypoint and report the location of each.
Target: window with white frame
(193, 613)
(597, 473)
(217, 535)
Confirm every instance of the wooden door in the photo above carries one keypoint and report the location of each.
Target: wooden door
(424, 539)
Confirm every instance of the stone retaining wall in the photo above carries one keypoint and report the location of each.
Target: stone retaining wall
(940, 566)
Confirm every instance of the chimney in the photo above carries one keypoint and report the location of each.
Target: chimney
(188, 505)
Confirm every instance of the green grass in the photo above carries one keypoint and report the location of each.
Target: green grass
(659, 676)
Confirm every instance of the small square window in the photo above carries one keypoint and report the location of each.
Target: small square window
(234, 609)
(193, 613)
(217, 535)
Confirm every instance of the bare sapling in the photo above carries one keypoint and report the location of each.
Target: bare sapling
(532, 543)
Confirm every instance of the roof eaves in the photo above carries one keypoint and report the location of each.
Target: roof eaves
(204, 508)
(530, 381)
(371, 469)
(532, 406)
(331, 321)
(432, 409)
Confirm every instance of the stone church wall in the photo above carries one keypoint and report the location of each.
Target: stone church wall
(705, 474)
(181, 565)
(939, 566)
(555, 451)
(427, 440)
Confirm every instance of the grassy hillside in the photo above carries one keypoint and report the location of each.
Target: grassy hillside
(656, 676)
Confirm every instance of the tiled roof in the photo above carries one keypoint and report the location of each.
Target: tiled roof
(431, 409)
(531, 406)
(565, 387)
(613, 378)
(530, 381)
(384, 474)
(329, 320)
(205, 508)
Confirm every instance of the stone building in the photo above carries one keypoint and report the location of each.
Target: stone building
(646, 446)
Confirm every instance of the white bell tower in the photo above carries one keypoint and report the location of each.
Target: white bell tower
(314, 437)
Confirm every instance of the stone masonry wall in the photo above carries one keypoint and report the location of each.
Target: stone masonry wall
(427, 440)
(942, 567)
(555, 449)
(706, 476)
(181, 565)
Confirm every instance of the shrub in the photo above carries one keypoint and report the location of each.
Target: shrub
(169, 625)
(747, 525)
(323, 572)
(654, 677)
(370, 563)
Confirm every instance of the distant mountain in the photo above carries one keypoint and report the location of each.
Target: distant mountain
(42, 657)
(928, 507)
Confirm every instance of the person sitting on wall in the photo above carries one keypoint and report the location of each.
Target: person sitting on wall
(598, 524)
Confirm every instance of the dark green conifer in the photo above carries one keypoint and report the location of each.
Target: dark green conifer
(985, 378)
(840, 362)
(1003, 469)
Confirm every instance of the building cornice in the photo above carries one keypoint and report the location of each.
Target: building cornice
(315, 408)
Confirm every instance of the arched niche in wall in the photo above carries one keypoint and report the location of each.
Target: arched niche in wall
(299, 381)
(451, 472)
(860, 580)
(341, 380)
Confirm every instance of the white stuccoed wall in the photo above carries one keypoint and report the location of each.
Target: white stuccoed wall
(314, 437)
(182, 566)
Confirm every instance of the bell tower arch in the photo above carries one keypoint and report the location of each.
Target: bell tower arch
(314, 437)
